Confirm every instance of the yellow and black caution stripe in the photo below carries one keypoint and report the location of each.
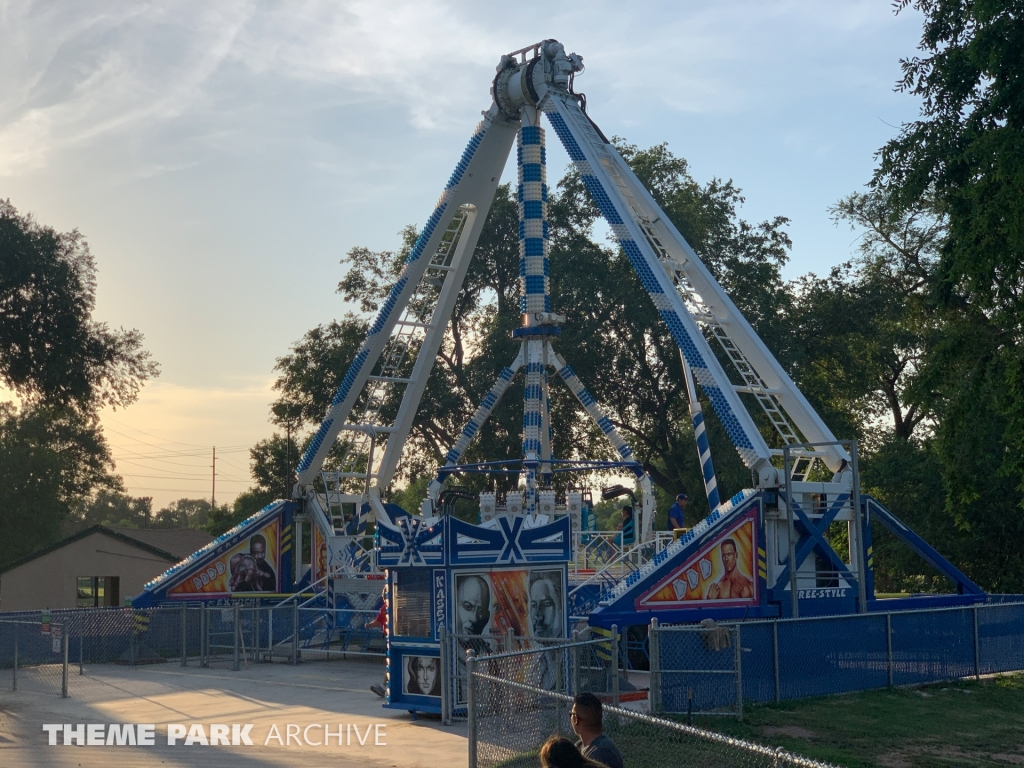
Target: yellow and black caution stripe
(762, 565)
(286, 540)
(602, 651)
(141, 623)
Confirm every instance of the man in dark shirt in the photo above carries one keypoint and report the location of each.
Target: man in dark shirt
(586, 720)
(677, 512)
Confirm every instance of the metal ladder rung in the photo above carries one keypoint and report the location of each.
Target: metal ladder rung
(751, 389)
(413, 324)
(390, 379)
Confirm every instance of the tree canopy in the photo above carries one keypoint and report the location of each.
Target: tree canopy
(51, 349)
(55, 465)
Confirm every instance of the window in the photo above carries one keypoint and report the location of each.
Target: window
(89, 590)
(412, 603)
(97, 591)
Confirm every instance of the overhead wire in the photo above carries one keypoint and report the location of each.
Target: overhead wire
(136, 429)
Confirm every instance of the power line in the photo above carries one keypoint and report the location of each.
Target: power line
(243, 469)
(180, 454)
(136, 429)
(186, 479)
(180, 490)
(170, 474)
(159, 457)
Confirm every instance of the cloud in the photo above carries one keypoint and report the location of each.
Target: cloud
(77, 72)
(104, 72)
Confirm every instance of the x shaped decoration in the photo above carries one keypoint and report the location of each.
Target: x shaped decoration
(815, 539)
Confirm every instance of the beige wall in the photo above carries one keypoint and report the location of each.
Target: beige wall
(50, 581)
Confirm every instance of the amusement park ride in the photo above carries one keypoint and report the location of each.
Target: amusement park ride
(533, 564)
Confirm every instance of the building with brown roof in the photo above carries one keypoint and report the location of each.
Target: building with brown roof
(99, 566)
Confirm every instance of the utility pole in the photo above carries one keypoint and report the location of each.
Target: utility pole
(213, 489)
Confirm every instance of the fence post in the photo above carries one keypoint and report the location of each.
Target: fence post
(471, 707)
(204, 629)
(739, 674)
(295, 632)
(888, 646)
(270, 635)
(615, 665)
(14, 680)
(575, 661)
(184, 635)
(654, 649)
(64, 671)
(131, 639)
(446, 682)
(236, 664)
(775, 656)
(977, 648)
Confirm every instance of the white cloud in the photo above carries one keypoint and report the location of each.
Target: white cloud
(90, 71)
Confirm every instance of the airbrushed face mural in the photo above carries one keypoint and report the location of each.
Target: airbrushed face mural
(724, 573)
(529, 602)
(251, 566)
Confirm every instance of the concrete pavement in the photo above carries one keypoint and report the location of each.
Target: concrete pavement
(305, 697)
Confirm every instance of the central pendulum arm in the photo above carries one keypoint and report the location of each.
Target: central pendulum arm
(535, 300)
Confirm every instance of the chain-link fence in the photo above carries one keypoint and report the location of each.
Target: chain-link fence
(697, 670)
(715, 668)
(511, 713)
(32, 659)
(230, 636)
(574, 664)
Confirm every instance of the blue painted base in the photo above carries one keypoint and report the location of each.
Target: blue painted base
(413, 709)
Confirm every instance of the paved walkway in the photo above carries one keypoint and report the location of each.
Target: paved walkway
(334, 693)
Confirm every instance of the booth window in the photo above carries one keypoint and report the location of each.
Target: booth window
(412, 603)
(98, 591)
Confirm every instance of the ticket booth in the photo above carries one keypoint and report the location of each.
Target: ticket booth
(475, 584)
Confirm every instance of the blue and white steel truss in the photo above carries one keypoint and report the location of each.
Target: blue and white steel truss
(377, 400)
(393, 363)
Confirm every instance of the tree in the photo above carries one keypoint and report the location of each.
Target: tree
(967, 152)
(614, 338)
(184, 513)
(51, 350)
(860, 335)
(64, 366)
(51, 460)
(112, 507)
(963, 157)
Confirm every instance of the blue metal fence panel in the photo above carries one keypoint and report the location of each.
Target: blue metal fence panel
(1000, 638)
(835, 655)
(698, 671)
(758, 662)
(932, 645)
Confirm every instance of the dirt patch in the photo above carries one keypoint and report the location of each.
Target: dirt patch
(893, 760)
(793, 731)
(902, 758)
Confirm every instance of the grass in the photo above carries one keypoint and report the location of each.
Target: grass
(962, 723)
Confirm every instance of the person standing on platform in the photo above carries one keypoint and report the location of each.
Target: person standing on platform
(626, 525)
(677, 512)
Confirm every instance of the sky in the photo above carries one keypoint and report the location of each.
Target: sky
(221, 158)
